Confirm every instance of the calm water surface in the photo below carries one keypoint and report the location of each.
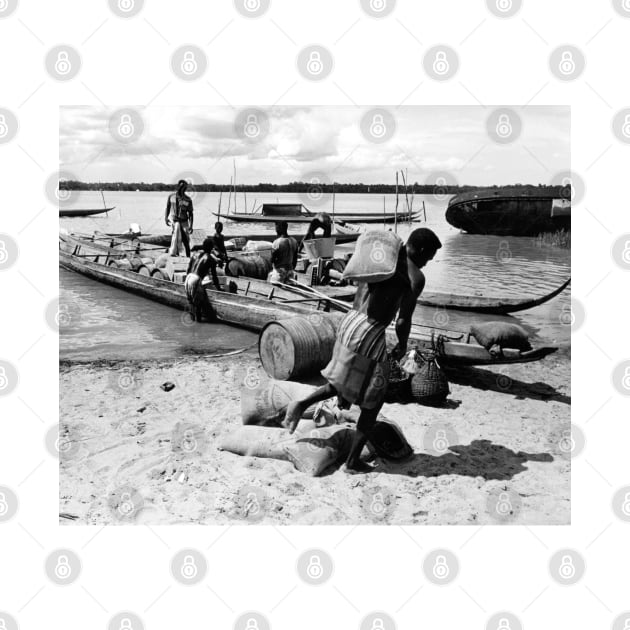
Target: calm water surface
(113, 324)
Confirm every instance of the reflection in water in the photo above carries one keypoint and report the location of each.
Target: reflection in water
(116, 324)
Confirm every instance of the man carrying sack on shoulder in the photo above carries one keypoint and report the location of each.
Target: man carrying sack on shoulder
(390, 281)
(179, 216)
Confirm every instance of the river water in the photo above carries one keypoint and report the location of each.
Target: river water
(113, 324)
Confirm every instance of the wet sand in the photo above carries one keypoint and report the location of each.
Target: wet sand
(119, 433)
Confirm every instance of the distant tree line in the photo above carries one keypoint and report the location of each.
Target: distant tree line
(305, 187)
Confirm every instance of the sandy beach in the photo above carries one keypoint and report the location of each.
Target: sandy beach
(120, 463)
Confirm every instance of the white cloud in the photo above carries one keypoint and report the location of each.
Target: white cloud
(307, 139)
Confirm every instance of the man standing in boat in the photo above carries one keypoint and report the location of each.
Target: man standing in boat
(179, 216)
(359, 369)
(284, 251)
(219, 242)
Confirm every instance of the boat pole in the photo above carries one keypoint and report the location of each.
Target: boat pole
(333, 203)
(229, 196)
(396, 208)
(220, 197)
(234, 165)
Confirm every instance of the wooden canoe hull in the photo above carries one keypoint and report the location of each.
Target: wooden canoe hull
(487, 305)
(254, 313)
(82, 212)
(164, 240)
(474, 304)
(244, 217)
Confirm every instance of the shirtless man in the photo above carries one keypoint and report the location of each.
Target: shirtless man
(219, 242)
(283, 254)
(358, 371)
(200, 264)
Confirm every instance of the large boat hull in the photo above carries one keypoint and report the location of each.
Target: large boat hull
(518, 215)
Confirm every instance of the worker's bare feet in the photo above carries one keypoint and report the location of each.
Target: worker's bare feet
(292, 416)
(356, 467)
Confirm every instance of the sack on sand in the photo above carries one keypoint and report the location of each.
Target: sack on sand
(388, 440)
(375, 257)
(266, 403)
(501, 334)
(320, 449)
(257, 441)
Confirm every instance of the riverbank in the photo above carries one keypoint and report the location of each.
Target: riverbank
(119, 427)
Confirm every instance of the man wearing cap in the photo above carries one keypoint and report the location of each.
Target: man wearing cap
(179, 216)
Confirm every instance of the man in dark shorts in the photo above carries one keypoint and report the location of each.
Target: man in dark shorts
(359, 369)
(202, 262)
(179, 216)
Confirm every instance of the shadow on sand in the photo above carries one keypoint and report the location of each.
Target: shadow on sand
(480, 458)
(491, 381)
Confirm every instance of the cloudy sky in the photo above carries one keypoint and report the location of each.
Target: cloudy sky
(304, 140)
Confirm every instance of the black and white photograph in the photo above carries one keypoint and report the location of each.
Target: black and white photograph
(313, 315)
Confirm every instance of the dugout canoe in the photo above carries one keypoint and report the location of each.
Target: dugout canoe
(471, 303)
(254, 313)
(347, 217)
(164, 240)
(82, 212)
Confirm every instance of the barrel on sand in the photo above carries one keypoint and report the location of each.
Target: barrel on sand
(299, 346)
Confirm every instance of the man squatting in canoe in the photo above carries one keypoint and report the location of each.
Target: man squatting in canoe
(359, 368)
(179, 215)
(202, 261)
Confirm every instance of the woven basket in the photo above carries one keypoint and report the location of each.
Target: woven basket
(429, 385)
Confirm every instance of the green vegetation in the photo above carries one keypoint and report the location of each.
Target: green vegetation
(302, 187)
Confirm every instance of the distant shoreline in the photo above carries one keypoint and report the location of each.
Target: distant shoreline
(306, 187)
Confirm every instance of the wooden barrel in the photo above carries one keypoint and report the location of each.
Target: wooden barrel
(298, 346)
(136, 263)
(159, 274)
(250, 266)
(146, 267)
